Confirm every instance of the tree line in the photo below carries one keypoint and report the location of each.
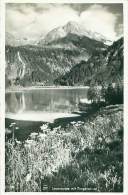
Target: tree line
(109, 94)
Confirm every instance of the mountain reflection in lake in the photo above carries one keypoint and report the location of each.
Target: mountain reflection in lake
(45, 100)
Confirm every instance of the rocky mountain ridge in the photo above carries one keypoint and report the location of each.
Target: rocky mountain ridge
(75, 28)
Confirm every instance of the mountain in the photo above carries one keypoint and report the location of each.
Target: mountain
(104, 67)
(72, 28)
(15, 41)
(45, 62)
(31, 64)
(82, 42)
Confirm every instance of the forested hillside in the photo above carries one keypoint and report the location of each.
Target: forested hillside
(103, 67)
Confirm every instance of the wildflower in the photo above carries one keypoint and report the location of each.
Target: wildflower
(73, 122)
(103, 176)
(42, 136)
(100, 139)
(33, 135)
(114, 180)
(12, 124)
(30, 142)
(82, 141)
(67, 133)
(49, 171)
(44, 127)
(77, 124)
(114, 130)
(57, 128)
(17, 128)
(92, 123)
(54, 169)
(108, 140)
(28, 177)
(18, 142)
(12, 187)
(80, 122)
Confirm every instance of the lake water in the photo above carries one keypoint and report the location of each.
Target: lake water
(45, 100)
(30, 108)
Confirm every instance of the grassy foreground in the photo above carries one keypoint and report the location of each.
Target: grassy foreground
(83, 156)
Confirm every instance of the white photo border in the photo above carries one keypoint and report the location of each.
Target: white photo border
(2, 87)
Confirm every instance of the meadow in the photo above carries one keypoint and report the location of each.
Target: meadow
(82, 156)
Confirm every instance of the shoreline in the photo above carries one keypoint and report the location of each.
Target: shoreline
(44, 87)
(40, 117)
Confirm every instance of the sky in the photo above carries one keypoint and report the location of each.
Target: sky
(32, 21)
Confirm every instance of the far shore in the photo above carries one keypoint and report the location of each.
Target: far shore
(15, 89)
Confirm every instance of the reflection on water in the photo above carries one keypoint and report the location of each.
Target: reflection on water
(46, 100)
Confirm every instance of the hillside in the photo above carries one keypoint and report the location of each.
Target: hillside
(83, 156)
(36, 64)
(82, 42)
(103, 67)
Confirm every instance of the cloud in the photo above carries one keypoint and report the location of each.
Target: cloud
(35, 20)
(30, 22)
(97, 18)
(119, 30)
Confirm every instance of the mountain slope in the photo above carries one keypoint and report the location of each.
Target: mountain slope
(82, 42)
(104, 67)
(29, 65)
(34, 64)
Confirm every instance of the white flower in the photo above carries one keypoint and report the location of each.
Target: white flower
(17, 128)
(114, 130)
(18, 142)
(77, 124)
(49, 171)
(82, 141)
(57, 128)
(42, 135)
(67, 133)
(44, 127)
(33, 135)
(29, 141)
(100, 139)
(28, 177)
(12, 187)
(12, 124)
(108, 140)
(54, 169)
(92, 123)
(80, 122)
(73, 122)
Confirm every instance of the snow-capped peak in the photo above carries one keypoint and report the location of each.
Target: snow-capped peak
(74, 28)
